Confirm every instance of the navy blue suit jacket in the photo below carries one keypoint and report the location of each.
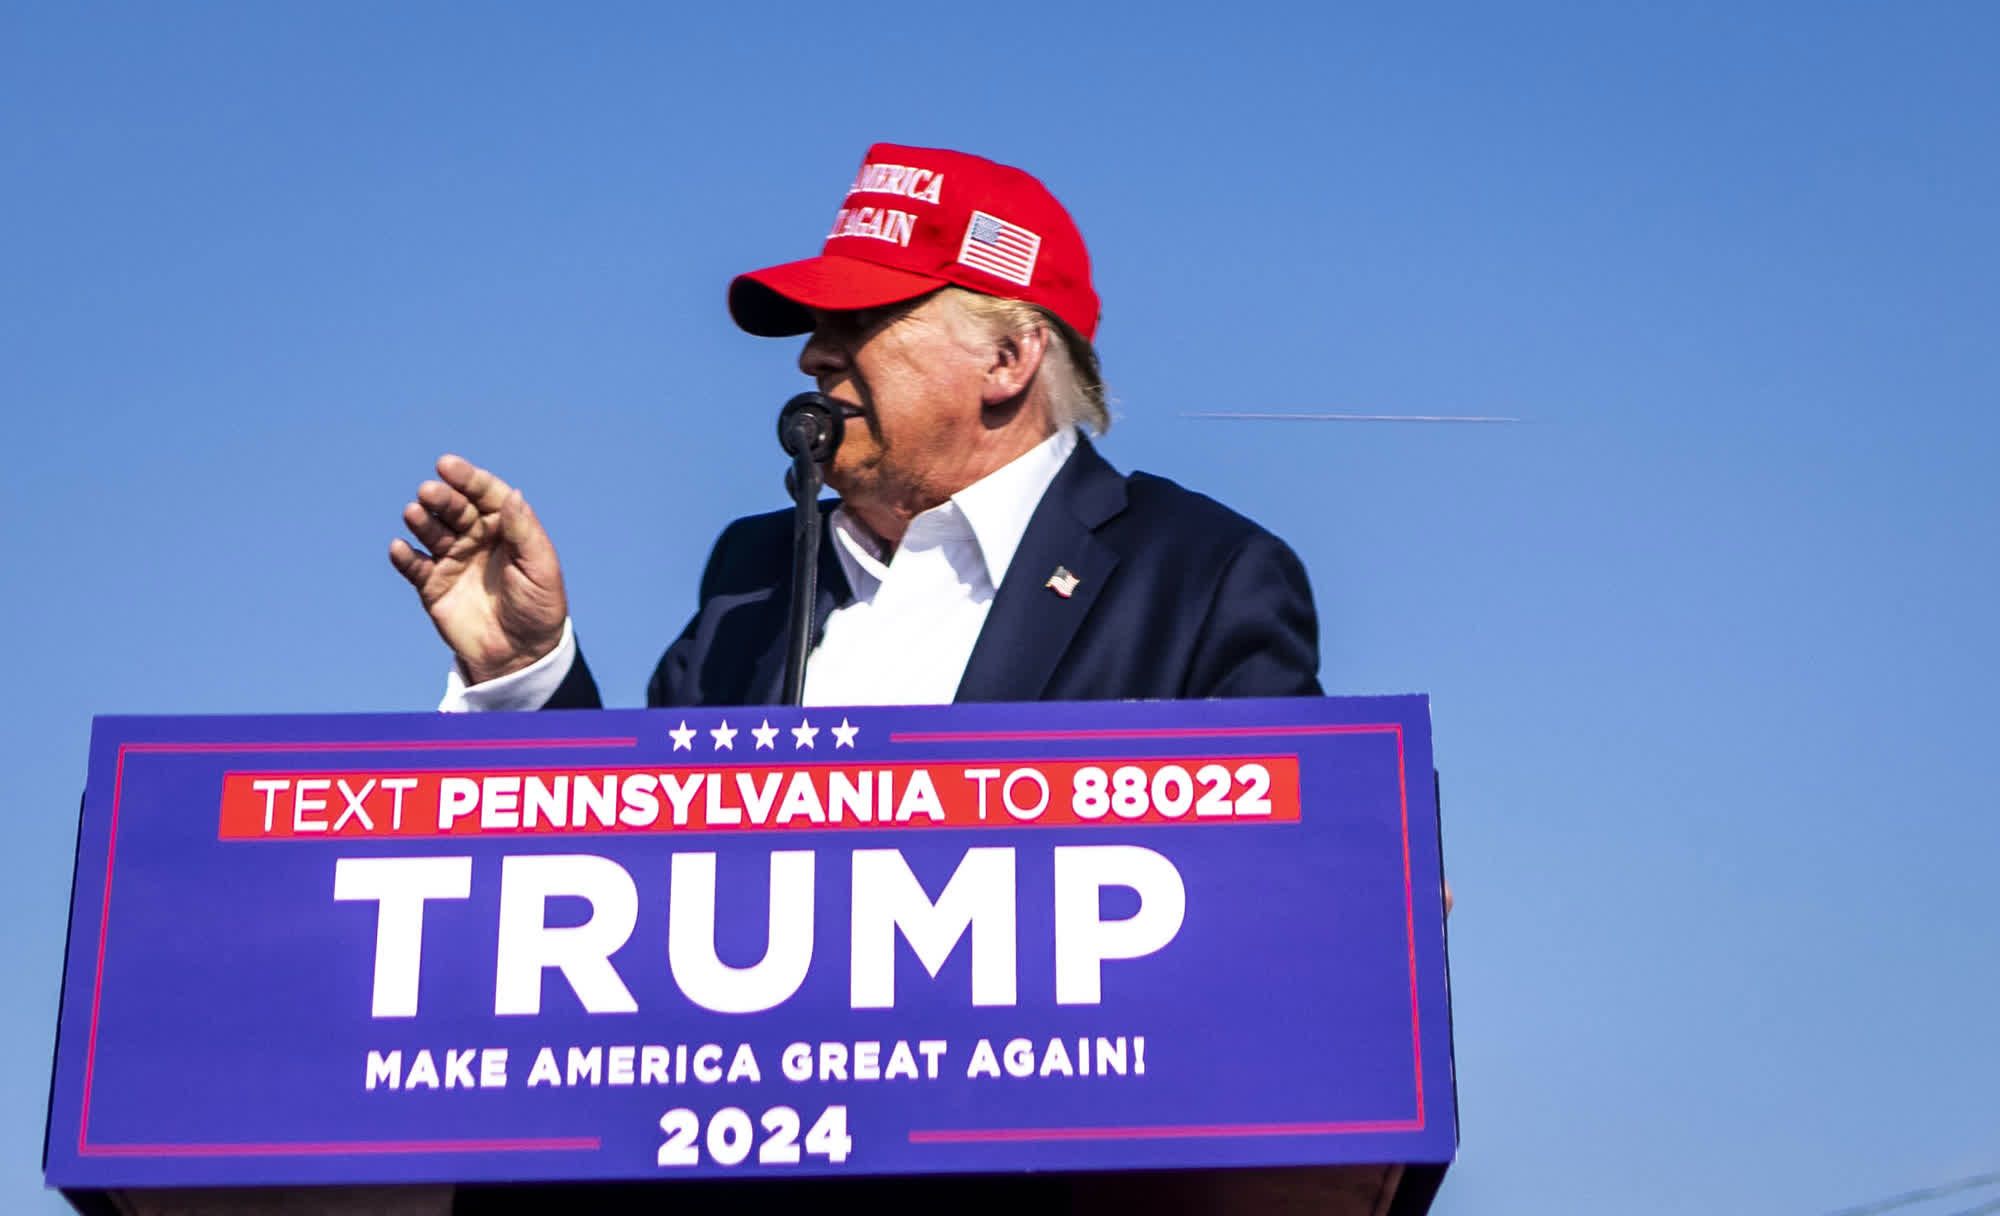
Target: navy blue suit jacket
(1177, 597)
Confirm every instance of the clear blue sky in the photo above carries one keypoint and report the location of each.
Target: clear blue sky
(1710, 638)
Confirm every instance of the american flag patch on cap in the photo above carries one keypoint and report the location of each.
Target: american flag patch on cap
(1000, 248)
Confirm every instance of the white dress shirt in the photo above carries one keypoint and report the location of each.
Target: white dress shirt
(905, 637)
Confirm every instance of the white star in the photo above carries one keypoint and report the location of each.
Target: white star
(725, 736)
(803, 733)
(683, 737)
(766, 734)
(843, 735)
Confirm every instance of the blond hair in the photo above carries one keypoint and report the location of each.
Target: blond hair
(1075, 382)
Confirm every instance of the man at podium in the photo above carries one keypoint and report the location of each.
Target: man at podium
(981, 549)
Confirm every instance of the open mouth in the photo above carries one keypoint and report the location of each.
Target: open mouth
(850, 398)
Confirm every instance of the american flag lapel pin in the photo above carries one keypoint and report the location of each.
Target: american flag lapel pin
(1062, 582)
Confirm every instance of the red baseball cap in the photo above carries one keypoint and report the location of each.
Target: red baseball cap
(915, 220)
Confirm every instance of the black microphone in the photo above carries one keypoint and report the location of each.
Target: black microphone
(811, 423)
(809, 428)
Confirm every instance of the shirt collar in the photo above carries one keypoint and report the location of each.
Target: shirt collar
(997, 508)
(999, 505)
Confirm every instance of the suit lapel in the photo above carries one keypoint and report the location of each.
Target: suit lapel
(1030, 625)
(767, 678)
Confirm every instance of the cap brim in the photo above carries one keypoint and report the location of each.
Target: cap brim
(775, 302)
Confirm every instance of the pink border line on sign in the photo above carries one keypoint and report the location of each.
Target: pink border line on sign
(995, 1135)
(299, 1149)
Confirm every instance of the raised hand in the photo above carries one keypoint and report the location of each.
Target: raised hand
(487, 573)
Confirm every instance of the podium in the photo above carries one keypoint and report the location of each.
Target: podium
(1178, 956)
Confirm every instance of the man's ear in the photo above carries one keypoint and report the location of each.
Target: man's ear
(1016, 358)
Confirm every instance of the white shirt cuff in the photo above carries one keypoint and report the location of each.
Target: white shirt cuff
(529, 688)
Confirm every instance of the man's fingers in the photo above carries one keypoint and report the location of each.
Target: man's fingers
(409, 563)
(486, 491)
(432, 534)
(451, 508)
(520, 528)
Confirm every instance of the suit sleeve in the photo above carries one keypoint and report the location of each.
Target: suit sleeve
(673, 678)
(578, 689)
(1261, 635)
(677, 676)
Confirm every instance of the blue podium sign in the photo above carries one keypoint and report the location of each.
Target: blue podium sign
(754, 942)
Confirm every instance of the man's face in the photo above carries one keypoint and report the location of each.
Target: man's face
(910, 376)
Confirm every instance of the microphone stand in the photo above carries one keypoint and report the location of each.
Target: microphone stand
(809, 428)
